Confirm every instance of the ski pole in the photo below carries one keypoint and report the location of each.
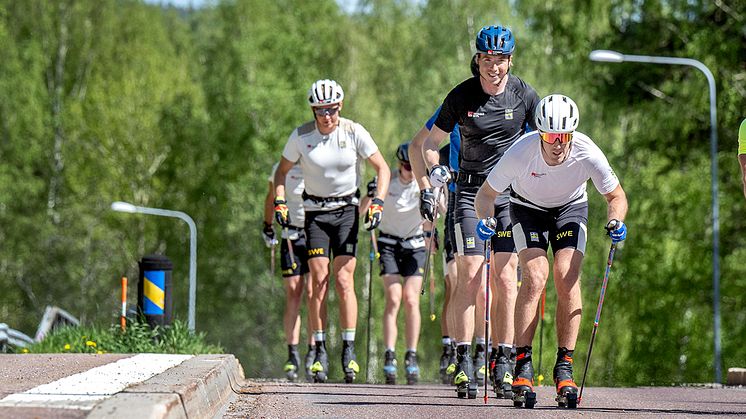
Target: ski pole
(540, 377)
(432, 293)
(487, 252)
(293, 264)
(373, 255)
(598, 317)
(123, 318)
(430, 243)
(272, 259)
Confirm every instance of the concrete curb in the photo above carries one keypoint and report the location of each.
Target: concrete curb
(197, 388)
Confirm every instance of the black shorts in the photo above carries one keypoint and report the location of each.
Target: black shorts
(399, 260)
(449, 242)
(465, 229)
(299, 253)
(562, 227)
(332, 231)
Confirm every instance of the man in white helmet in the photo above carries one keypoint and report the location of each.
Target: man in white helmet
(330, 150)
(547, 171)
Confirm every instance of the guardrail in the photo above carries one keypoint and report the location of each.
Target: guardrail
(13, 338)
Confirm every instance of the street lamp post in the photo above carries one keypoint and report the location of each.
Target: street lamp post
(129, 208)
(617, 57)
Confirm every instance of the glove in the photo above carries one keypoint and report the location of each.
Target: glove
(268, 234)
(439, 176)
(427, 204)
(373, 187)
(617, 230)
(486, 228)
(281, 212)
(374, 215)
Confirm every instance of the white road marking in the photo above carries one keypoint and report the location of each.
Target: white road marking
(84, 390)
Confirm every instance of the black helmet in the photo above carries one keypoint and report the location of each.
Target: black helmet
(402, 152)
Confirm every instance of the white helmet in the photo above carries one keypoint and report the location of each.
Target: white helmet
(325, 92)
(557, 113)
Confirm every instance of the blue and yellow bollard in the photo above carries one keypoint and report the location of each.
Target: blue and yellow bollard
(154, 290)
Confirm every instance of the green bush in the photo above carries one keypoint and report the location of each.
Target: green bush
(138, 337)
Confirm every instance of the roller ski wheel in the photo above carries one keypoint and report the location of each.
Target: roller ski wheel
(523, 395)
(413, 370)
(567, 394)
(389, 367)
(349, 362)
(320, 367)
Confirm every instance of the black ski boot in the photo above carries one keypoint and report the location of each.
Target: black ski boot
(320, 367)
(452, 364)
(413, 370)
(389, 366)
(349, 361)
(293, 363)
(445, 361)
(310, 356)
(480, 368)
(523, 382)
(567, 390)
(502, 373)
(464, 379)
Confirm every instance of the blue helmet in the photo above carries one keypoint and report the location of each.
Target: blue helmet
(495, 40)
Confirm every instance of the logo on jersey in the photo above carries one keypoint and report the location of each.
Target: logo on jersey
(534, 236)
(534, 174)
(508, 114)
(342, 143)
(470, 243)
(471, 114)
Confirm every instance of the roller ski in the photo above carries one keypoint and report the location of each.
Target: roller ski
(480, 366)
(389, 367)
(523, 382)
(320, 367)
(567, 390)
(466, 385)
(349, 361)
(310, 356)
(502, 374)
(445, 362)
(292, 365)
(413, 370)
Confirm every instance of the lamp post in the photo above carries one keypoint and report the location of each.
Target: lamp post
(617, 57)
(129, 208)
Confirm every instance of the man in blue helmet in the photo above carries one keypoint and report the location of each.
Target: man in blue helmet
(492, 110)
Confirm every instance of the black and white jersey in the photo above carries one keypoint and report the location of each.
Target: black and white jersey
(488, 124)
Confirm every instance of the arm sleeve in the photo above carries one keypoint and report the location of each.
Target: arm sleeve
(603, 177)
(366, 147)
(291, 151)
(742, 138)
(503, 173)
(430, 122)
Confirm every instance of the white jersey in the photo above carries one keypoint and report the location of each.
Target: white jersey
(294, 186)
(331, 164)
(524, 169)
(401, 210)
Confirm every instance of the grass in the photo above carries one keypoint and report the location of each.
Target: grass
(137, 338)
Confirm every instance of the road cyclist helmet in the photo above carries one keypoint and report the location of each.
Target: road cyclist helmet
(325, 92)
(495, 40)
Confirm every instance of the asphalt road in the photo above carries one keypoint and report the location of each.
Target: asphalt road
(275, 399)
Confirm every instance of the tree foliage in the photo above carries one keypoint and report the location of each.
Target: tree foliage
(188, 110)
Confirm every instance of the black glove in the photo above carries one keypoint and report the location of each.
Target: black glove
(374, 214)
(427, 204)
(268, 234)
(373, 187)
(282, 212)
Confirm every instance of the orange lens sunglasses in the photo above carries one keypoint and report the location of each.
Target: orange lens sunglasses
(552, 137)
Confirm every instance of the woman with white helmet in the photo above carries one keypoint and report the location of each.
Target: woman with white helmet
(547, 171)
(330, 151)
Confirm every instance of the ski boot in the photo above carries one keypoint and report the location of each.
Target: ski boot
(464, 380)
(445, 362)
(293, 363)
(502, 374)
(479, 364)
(452, 365)
(567, 390)
(320, 367)
(413, 370)
(310, 355)
(523, 382)
(349, 361)
(389, 367)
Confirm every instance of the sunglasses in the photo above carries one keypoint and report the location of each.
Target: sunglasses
(406, 166)
(326, 111)
(552, 137)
